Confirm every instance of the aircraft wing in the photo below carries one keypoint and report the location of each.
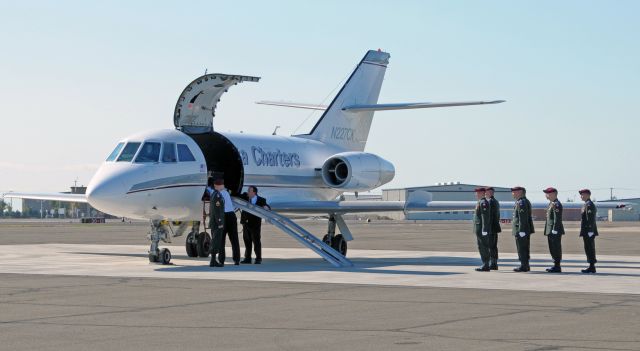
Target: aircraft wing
(413, 105)
(48, 196)
(413, 205)
(470, 205)
(341, 207)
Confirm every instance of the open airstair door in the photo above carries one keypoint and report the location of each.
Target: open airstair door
(194, 115)
(196, 105)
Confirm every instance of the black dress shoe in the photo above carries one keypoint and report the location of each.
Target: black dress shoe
(212, 263)
(493, 267)
(246, 260)
(482, 269)
(521, 269)
(258, 261)
(216, 264)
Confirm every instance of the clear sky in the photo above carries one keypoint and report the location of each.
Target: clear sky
(76, 76)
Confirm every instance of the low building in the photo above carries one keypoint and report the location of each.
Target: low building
(629, 213)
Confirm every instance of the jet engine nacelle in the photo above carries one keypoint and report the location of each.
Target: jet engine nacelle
(357, 171)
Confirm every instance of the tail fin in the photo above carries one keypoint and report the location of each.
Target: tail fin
(350, 130)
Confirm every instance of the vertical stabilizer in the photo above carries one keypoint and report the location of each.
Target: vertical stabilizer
(350, 130)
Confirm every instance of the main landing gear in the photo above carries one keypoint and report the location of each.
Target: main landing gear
(337, 242)
(162, 230)
(198, 244)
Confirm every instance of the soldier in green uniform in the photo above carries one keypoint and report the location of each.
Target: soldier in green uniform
(481, 227)
(494, 206)
(588, 229)
(522, 227)
(216, 224)
(553, 228)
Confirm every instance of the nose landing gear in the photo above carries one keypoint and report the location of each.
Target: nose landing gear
(161, 230)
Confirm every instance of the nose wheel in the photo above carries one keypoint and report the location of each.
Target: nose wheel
(159, 232)
(162, 256)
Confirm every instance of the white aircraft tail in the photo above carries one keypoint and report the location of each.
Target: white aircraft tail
(348, 129)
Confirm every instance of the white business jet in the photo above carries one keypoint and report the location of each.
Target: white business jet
(161, 175)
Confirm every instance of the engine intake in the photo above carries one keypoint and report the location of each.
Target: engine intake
(356, 171)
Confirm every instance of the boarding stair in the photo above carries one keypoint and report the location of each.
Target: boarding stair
(295, 231)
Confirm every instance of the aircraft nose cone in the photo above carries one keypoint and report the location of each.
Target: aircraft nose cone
(105, 195)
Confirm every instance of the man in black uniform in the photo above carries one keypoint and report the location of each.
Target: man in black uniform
(494, 206)
(554, 229)
(216, 223)
(481, 227)
(588, 229)
(251, 225)
(522, 227)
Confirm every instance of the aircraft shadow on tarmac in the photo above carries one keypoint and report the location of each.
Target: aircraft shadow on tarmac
(370, 265)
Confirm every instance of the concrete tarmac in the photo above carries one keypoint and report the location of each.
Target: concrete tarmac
(412, 288)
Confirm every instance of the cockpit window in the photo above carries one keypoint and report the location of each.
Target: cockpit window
(169, 152)
(128, 152)
(149, 153)
(184, 154)
(115, 152)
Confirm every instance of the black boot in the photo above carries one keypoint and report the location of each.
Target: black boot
(591, 269)
(524, 267)
(213, 262)
(246, 260)
(555, 269)
(493, 267)
(484, 268)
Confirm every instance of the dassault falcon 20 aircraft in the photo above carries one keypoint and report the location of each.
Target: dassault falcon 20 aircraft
(161, 175)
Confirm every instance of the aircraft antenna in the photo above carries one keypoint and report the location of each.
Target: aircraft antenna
(275, 130)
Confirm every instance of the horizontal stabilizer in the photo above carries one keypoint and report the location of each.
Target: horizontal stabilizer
(412, 105)
(379, 107)
(293, 105)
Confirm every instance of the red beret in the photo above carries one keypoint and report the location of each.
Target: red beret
(516, 188)
(584, 191)
(480, 190)
(218, 181)
(550, 190)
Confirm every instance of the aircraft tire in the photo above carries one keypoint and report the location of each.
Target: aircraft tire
(326, 239)
(339, 244)
(165, 256)
(154, 257)
(203, 244)
(190, 245)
